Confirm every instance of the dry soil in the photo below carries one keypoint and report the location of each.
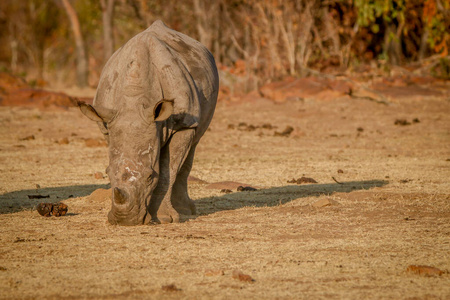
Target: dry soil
(381, 204)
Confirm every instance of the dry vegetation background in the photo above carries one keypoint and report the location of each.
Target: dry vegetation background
(254, 42)
(352, 94)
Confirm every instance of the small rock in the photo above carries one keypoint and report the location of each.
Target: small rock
(246, 189)
(28, 138)
(237, 274)
(170, 288)
(324, 203)
(231, 185)
(45, 209)
(63, 141)
(211, 272)
(243, 127)
(251, 128)
(340, 171)
(360, 129)
(98, 175)
(59, 209)
(267, 126)
(286, 132)
(305, 180)
(302, 180)
(405, 180)
(49, 209)
(226, 191)
(401, 122)
(424, 270)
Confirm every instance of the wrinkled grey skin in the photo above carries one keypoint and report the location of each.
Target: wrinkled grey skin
(155, 100)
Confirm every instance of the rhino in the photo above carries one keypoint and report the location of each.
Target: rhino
(155, 100)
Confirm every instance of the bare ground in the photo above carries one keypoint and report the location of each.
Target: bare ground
(387, 185)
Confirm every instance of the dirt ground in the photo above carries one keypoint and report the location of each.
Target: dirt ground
(381, 204)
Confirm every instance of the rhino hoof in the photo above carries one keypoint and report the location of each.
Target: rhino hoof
(169, 218)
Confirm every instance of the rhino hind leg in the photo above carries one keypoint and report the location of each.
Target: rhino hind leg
(172, 159)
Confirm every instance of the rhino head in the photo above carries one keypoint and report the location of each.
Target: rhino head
(134, 148)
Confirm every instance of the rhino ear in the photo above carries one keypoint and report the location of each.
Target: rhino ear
(89, 111)
(163, 110)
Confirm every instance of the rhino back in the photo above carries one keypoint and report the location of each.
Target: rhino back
(130, 71)
(195, 56)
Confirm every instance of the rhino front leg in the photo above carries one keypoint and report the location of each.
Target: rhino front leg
(172, 158)
(180, 196)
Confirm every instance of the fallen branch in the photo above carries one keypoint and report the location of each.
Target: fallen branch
(336, 180)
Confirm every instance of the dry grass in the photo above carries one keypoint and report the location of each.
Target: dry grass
(392, 211)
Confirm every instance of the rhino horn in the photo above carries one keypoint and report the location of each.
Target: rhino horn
(119, 196)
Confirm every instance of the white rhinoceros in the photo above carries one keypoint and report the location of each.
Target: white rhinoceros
(155, 100)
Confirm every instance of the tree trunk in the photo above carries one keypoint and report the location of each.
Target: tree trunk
(305, 38)
(108, 37)
(331, 29)
(423, 44)
(289, 43)
(14, 47)
(201, 16)
(82, 63)
(392, 43)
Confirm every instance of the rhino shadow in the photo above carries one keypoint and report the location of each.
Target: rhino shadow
(278, 195)
(20, 200)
